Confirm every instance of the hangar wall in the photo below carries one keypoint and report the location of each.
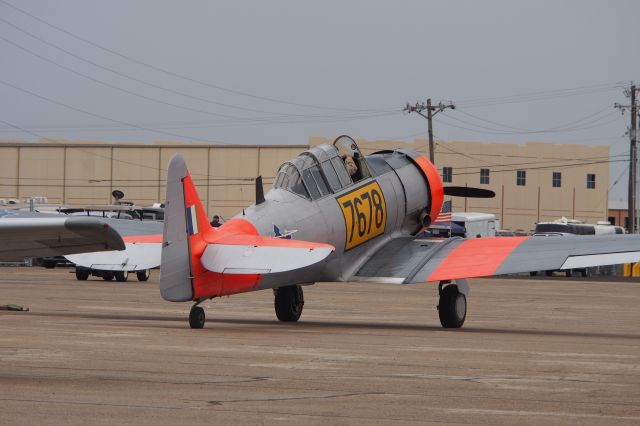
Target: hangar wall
(85, 173)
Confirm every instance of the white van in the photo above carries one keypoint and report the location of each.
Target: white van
(476, 225)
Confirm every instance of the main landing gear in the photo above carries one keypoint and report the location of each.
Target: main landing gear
(196, 316)
(452, 307)
(288, 302)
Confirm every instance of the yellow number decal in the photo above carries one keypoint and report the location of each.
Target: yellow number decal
(365, 214)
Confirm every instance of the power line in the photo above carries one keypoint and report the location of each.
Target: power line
(140, 95)
(171, 73)
(103, 117)
(566, 166)
(547, 161)
(149, 84)
(516, 133)
(538, 95)
(95, 154)
(559, 127)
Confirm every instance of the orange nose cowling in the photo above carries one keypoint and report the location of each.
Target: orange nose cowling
(434, 182)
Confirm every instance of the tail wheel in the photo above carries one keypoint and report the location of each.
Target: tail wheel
(122, 276)
(143, 275)
(107, 275)
(452, 308)
(82, 274)
(288, 303)
(196, 317)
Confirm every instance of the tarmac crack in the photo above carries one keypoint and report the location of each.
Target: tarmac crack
(295, 398)
(100, 404)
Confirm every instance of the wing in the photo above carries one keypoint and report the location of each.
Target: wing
(55, 236)
(409, 260)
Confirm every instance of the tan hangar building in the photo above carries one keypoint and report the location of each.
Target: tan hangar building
(535, 181)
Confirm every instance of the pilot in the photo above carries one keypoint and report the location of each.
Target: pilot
(216, 221)
(350, 164)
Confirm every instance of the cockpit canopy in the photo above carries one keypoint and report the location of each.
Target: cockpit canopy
(324, 169)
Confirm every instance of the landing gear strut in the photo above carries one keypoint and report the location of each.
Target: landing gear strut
(452, 307)
(196, 317)
(288, 302)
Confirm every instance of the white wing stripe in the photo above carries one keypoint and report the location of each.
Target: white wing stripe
(236, 259)
(600, 259)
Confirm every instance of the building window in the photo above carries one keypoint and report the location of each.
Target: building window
(484, 176)
(556, 180)
(591, 180)
(447, 174)
(521, 177)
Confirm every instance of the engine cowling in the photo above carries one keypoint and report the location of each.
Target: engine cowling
(422, 187)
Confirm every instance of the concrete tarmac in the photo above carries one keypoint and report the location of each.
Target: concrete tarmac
(531, 352)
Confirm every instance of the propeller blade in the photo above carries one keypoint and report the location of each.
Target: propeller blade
(469, 192)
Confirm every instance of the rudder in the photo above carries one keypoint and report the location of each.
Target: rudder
(184, 219)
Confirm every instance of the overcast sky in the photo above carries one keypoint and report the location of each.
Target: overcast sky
(277, 72)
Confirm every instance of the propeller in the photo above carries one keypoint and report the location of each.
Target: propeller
(469, 192)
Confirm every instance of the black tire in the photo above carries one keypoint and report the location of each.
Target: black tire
(143, 275)
(82, 274)
(196, 317)
(121, 276)
(452, 308)
(49, 263)
(289, 302)
(107, 275)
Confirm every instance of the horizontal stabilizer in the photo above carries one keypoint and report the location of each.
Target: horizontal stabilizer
(262, 255)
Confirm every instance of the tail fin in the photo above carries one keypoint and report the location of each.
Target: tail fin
(185, 220)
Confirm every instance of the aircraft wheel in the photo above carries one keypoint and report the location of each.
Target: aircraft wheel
(107, 275)
(49, 263)
(82, 274)
(452, 308)
(196, 317)
(122, 276)
(289, 302)
(143, 275)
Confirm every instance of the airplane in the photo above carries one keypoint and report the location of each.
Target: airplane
(105, 247)
(357, 218)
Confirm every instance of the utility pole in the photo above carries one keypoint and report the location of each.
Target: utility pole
(633, 155)
(432, 110)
